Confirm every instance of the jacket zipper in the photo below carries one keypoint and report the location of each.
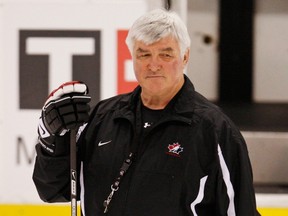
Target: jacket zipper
(135, 148)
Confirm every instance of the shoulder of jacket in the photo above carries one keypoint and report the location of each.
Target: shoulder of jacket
(210, 114)
(213, 120)
(112, 103)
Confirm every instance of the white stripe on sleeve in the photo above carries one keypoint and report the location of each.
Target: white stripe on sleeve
(200, 195)
(226, 178)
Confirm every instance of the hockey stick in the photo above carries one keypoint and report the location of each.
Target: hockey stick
(73, 169)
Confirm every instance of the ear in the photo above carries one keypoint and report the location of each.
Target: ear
(186, 56)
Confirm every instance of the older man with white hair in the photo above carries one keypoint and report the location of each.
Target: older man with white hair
(162, 149)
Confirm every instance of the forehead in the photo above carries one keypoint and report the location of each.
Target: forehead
(167, 43)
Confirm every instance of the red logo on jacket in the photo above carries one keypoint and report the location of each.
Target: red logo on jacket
(175, 149)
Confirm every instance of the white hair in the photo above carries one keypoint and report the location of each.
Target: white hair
(158, 24)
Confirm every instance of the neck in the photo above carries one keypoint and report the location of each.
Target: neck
(159, 101)
(154, 102)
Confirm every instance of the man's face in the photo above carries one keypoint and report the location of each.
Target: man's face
(159, 66)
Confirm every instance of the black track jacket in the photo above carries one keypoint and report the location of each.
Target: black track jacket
(194, 161)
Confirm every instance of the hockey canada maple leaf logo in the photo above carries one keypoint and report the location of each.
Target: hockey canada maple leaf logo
(175, 149)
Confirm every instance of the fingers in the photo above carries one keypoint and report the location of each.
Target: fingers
(67, 112)
(67, 99)
(75, 87)
(67, 107)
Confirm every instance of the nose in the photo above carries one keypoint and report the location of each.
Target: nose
(154, 65)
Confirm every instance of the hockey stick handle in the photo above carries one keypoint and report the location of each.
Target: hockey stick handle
(73, 171)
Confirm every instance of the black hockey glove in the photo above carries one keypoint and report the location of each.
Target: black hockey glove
(67, 107)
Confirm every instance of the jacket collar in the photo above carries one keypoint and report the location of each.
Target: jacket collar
(183, 101)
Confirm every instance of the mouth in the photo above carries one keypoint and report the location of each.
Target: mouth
(154, 76)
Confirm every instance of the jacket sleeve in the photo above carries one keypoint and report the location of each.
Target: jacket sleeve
(236, 172)
(51, 174)
(51, 177)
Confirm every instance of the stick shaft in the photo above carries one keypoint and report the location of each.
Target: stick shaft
(73, 172)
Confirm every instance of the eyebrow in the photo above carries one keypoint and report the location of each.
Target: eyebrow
(141, 50)
(168, 49)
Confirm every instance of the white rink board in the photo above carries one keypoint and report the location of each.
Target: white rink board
(18, 127)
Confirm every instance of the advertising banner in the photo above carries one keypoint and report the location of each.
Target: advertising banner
(43, 45)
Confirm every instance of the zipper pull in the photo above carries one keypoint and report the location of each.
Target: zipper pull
(109, 198)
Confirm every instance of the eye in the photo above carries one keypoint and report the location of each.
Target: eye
(166, 55)
(143, 55)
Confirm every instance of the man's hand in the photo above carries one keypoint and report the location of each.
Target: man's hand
(67, 107)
